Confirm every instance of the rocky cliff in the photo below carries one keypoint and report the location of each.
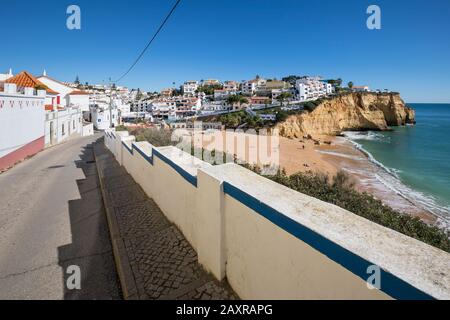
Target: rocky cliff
(349, 112)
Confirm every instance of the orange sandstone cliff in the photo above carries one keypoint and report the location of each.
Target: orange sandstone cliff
(349, 112)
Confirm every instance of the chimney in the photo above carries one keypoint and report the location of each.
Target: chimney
(44, 73)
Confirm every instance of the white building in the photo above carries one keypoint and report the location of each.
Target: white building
(6, 76)
(231, 86)
(22, 116)
(189, 87)
(361, 88)
(102, 116)
(143, 105)
(214, 106)
(312, 88)
(67, 96)
(164, 109)
(222, 94)
(62, 124)
(249, 87)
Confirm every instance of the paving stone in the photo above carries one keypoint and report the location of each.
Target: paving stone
(163, 262)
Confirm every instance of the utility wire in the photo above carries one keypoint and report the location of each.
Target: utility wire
(150, 42)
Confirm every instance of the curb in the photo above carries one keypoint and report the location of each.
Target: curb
(126, 278)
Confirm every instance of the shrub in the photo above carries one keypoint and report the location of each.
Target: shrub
(156, 137)
(121, 128)
(340, 191)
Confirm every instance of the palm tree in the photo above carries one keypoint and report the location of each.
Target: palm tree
(350, 85)
(236, 99)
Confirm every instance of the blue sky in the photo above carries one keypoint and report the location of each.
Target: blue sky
(235, 39)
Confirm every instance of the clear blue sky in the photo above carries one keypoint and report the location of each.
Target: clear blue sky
(235, 39)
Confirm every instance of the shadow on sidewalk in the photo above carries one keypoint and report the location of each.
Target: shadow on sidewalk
(90, 249)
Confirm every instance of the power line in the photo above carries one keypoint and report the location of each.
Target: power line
(150, 42)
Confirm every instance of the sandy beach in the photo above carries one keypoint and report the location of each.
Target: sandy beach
(301, 155)
(328, 154)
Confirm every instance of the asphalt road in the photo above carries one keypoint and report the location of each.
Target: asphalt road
(51, 217)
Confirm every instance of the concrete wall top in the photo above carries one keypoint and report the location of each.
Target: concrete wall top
(184, 160)
(416, 263)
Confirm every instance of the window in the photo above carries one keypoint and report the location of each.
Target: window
(63, 132)
(73, 124)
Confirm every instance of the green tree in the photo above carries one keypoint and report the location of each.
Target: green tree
(139, 95)
(236, 99)
(77, 80)
(350, 85)
(283, 96)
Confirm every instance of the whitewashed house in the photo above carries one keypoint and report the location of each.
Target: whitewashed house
(102, 116)
(189, 87)
(68, 97)
(22, 115)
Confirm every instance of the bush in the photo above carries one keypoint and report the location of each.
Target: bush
(339, 191)
(121, 128)
(156, 137)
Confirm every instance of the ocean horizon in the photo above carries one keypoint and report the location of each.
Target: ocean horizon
(414, 160)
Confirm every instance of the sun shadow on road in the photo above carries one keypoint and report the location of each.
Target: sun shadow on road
(90, 249)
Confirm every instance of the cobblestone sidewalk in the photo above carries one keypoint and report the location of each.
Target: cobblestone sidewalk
(163, 265)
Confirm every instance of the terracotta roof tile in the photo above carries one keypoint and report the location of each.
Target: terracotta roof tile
(25, 79)
(78, 92)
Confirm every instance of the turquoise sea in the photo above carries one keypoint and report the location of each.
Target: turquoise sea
(416, 158)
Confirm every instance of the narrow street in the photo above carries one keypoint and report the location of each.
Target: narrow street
(52, 217)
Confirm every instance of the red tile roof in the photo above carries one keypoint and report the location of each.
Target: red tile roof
(25, 79)
(79, 93)
(49, 107)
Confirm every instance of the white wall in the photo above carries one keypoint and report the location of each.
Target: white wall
(100, 118)
(21, 120)
(66, 123)
(272, 242)
(80, 101)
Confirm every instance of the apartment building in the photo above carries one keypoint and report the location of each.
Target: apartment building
(309, 88)
(231, 86)
(164, 109)
(249, 87)
(189, 87)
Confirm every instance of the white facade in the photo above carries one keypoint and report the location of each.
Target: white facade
(312, 88)
(6, 76)
(61, 124)
(69, 96)
(101, 116)
(189, 87)
(249, 87)
(232, 86)
(21, 118)
(361, 88)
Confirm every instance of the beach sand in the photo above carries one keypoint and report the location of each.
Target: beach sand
(327, 154)
(301, 155)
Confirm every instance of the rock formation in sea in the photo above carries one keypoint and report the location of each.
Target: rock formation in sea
(350, 112)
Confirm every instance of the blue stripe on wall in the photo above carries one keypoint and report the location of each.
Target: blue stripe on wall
(130, 150)
(186, 175)
(390, 284)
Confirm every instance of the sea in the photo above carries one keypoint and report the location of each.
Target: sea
(414, 161)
